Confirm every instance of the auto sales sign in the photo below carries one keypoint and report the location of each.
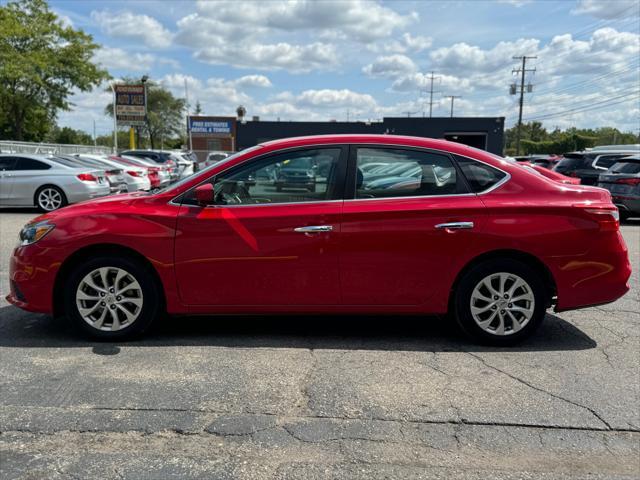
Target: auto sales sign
(131, 105)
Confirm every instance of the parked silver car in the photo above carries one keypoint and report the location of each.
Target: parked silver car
(136, 178)
(34, 180)
(114, 175)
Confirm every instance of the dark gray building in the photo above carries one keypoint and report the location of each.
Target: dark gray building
(485, 133)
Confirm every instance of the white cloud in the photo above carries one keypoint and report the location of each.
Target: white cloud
(390, 66)
(253, 34)
(607, 9)
(118, 59)
(417, 43)
(138, 27)
(294, 58)
(359, 20)
(515, 3)
(420, 81)
(462, 57)
(254, 81)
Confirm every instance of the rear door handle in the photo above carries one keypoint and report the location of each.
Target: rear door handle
(314, 229)
(455, 225)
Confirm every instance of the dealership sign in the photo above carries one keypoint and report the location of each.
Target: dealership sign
(198, 125)
(131, 105)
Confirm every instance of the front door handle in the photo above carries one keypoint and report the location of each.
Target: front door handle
(314, 229)
(455, 225)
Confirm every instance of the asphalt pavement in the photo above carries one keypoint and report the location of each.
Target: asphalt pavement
(353, 397)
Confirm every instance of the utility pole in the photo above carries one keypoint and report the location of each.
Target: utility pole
(431, 78)
(452, 97)
(186, 96)
(522, 71)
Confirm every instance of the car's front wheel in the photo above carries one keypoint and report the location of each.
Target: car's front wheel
(500, 302)
(112, 298)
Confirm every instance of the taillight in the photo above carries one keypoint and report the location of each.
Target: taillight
(87, 177)
(629, 181)
(607, 217)
(134, 173)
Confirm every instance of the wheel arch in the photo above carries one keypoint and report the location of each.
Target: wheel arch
(94, 250)
(531, 260)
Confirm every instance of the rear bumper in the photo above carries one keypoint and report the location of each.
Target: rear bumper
(630, 204)
(139, 184)
(81, 191)
(596, 278)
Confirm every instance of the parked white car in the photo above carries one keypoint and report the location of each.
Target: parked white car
(136, 178)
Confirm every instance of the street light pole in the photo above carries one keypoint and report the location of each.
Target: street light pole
(115, 122)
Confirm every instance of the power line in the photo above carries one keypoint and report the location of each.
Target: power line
(584, 108)
(523, 70)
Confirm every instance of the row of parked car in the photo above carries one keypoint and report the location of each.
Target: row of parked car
(612, 167)
(52, 181)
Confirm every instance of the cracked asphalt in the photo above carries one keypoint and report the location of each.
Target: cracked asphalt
(320, 397)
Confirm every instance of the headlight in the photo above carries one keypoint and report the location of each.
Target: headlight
(33, 232)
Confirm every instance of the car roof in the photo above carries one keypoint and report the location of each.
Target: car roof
(376, 139)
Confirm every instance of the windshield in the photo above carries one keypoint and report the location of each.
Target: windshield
(207, 169)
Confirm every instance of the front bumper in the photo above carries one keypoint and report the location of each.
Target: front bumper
(32, 273)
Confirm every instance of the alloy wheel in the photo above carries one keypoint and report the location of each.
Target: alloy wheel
(109, 298)
(502, 303)
(50, 199)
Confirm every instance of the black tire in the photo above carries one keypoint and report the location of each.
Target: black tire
(53, 188)
(467, 284)
(151, 297)
(624, 215)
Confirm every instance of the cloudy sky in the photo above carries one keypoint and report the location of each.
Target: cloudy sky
(363, 60)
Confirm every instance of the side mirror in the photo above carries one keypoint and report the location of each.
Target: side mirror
(205, 194)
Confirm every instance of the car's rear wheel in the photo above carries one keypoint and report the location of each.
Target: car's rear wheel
(111, 298)
(500, 302)
(49, 198)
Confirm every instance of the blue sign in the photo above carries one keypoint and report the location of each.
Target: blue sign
(209, 126)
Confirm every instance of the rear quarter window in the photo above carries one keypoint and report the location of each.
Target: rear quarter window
(479, 176)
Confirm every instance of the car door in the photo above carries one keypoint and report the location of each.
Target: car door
(400, 238)
(28, 175)
(6, 179)
(261, 246)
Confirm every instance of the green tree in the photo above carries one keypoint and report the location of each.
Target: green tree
(41, 62)
(165, 114)
(68, 135)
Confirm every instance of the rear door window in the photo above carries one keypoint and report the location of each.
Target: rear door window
(23, 163)
(404, 173)
(479, 176)
(574, 162)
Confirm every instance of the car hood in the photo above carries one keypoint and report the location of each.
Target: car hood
(109, 203)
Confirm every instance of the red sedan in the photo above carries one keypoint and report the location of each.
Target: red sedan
(487, 241)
